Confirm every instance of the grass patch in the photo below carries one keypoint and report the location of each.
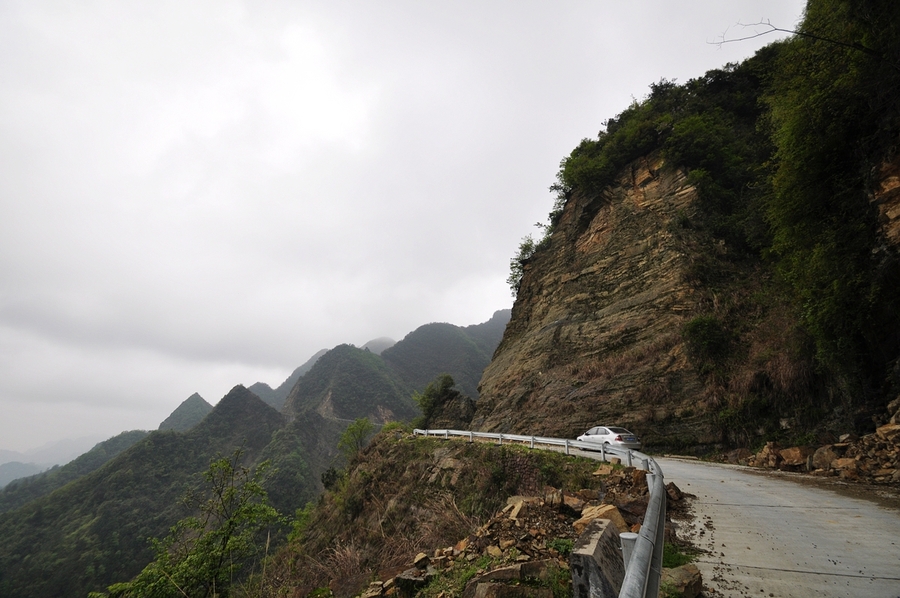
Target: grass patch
(674, 556)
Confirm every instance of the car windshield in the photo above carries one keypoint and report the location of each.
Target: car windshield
(619, 431)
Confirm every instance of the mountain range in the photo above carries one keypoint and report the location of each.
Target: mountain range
(79, 527)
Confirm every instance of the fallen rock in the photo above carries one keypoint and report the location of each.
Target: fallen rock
(685, 580)
(795, 456)
(421, 561)
(673, 492)
(824, 456)
(412, 580)
(600, 512)
(889, 433)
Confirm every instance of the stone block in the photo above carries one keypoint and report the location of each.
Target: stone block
(889, 433)
(844, 464)
(686, 580)
(596, 562)
(795, 456)
(823, 457)
(600, 512)
(604, 470)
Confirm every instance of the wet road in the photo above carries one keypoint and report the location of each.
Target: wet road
(770, 536)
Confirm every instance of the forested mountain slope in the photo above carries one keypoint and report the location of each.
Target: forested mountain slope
(187, 415)
(23, 490)
(95, 530)
(439, 348)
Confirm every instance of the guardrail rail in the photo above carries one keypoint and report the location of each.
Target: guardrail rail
(643, 559)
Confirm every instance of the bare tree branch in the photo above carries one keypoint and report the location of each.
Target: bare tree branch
(772, 29)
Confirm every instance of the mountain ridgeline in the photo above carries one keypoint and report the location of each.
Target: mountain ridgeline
(83, 526)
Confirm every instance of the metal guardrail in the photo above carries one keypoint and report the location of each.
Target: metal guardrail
(643, 561)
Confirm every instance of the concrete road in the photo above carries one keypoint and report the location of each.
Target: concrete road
(767, 535)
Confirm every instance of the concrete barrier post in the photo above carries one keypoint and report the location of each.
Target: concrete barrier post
(596, 561)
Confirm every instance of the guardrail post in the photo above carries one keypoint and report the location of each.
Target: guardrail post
(532, 442)
(653, 578)
(603, 453)
(645, 464)
(567, 446)
(627, 539)
(471, 436)
(500, 440)
(446, 434)
(628, 458)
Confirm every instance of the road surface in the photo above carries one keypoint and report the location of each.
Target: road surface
(767, 535)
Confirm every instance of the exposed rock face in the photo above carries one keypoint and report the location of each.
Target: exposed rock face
(887, 199)
(595, 331)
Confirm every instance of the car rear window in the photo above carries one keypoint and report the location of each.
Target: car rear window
(619, 431)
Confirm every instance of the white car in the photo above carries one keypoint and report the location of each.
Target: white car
(618, 437)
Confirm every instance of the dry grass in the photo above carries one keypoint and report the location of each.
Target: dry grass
(607, 367)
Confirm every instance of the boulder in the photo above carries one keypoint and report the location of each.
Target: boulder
(600, 512)
(795, 456)
(684, 581)
(673, 492)
(421, 561)
(573, 503)
(824, 456)
(412, 580)
(844, 464)
(889, 433)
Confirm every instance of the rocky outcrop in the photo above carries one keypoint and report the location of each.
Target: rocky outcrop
(886, 197)
(595, 331)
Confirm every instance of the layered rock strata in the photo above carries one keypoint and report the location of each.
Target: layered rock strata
(594, 336)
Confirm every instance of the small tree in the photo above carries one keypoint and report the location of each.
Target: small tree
(204, 554)
(355, 437)
(438, 392)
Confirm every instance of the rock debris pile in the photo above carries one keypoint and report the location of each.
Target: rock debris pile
(525, 546)
(873, 458)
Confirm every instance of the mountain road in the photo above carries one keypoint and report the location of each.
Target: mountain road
(783, 536)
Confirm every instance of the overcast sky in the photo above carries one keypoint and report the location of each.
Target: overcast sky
(199, 194)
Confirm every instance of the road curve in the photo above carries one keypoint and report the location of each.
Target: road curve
(771, 536)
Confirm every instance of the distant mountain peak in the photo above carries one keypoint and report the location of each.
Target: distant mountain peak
(187, 415)
(377, 345)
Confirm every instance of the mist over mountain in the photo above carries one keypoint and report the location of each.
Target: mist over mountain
(24, 489)
(440, 348)
(53, 453)
(276, 397)
(378, 345)
(13, 470)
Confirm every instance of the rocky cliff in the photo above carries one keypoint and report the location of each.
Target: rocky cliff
(595, 331)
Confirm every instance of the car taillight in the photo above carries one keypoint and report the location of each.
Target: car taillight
(619, 438)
